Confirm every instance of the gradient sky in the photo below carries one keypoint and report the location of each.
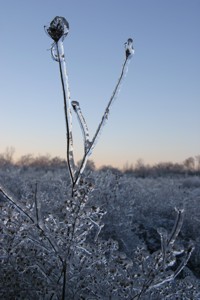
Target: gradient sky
(157, 114)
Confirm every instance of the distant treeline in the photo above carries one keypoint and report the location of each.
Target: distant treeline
(29, 160)
(190, 166)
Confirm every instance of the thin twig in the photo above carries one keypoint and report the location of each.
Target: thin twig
(67, 108)
(17, 206)
(83, 124)
(103, 120)
(177, 227)
(9, 199)
(64, 280)
(36, 204)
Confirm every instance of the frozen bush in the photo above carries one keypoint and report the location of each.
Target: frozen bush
(191, 182)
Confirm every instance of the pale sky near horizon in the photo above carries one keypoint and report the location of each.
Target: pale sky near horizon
(156, 116)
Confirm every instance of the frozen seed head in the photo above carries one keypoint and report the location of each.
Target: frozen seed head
(58, 28)
(129, 47)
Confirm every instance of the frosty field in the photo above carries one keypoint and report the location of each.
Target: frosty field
(132, 211)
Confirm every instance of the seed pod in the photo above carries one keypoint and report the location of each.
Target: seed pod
(58, 28)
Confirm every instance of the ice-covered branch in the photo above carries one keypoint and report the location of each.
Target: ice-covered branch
(99, 228)
(129, 51)
(83, 124)
(39, 219)
(67, 109)
(177, 227)
(10, 199)
(58, 30)
(185, 260)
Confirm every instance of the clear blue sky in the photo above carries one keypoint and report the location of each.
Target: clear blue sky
(157, 114)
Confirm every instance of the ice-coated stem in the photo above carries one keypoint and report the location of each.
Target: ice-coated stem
(184, 261)
(67, 108)
(58, 30)
(112, 99)
(39, 218)
(129, 52)
(177, 226)
(10, 199)
(83, 124)
(163, 237)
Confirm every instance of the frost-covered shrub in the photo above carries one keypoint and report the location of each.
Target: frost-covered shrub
(192, 182)
(39, 239)
(32, 254)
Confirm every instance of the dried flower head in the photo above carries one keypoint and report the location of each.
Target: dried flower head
(58, 28)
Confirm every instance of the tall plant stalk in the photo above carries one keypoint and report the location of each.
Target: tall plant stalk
(58, 30)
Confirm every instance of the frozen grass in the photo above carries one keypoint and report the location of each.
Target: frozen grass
(135, 208)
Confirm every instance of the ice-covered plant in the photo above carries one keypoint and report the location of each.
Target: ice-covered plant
(55, 236)
(58, 30)
(162, 266)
